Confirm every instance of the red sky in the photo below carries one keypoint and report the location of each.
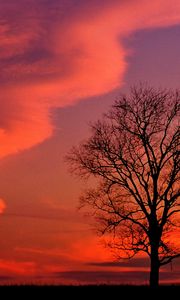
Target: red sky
(63, 62)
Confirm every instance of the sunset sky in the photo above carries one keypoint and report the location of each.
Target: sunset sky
(63, 63)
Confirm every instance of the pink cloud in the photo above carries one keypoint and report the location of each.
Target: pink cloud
(55, 65)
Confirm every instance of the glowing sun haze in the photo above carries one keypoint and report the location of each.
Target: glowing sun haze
(62, 63)
(2, 206)
(51, 58)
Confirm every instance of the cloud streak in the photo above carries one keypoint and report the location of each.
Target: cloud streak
(53, 54)
(110, 277)
(15, 267)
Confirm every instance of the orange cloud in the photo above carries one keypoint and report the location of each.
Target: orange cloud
(46, 68)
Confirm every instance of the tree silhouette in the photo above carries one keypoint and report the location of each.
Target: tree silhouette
(133, 152)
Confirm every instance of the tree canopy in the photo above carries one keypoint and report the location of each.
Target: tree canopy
(133, 152)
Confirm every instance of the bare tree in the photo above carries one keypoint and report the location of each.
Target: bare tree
(134, 153)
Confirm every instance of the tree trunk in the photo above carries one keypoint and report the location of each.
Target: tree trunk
(154, 272)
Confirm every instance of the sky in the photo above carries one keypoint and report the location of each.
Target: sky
(63, 63)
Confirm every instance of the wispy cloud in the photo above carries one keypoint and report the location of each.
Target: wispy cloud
(140, 262)
(137, 263)
(54, 53)
(14, 267)
(53, 212)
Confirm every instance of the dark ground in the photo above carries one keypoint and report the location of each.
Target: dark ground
(90, 292)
